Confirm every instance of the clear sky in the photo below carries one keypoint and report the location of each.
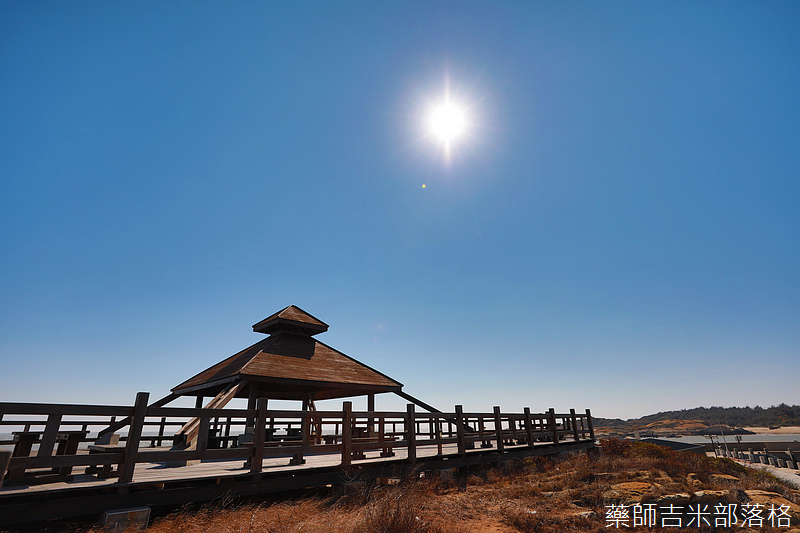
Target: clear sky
(617, 228)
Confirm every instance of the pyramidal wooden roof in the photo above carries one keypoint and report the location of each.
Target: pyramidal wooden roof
(290, 364)
(291, 318)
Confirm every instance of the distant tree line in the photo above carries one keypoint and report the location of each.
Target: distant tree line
(780, 415)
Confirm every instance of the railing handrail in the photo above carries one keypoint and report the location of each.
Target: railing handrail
(386, 430)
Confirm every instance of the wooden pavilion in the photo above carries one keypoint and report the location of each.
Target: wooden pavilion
(288, 365)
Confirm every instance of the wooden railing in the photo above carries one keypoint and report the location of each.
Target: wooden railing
(275, 433)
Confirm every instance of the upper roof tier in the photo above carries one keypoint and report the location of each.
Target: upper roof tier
(291, 319)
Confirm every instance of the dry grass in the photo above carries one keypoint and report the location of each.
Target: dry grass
(542, 495)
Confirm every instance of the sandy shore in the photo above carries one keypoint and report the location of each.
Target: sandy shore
(780, 431)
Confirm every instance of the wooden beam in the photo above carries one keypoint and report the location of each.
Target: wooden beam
(417, 401)
(127, 420)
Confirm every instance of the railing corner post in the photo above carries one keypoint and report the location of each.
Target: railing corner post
(134, 436)
(411, 435)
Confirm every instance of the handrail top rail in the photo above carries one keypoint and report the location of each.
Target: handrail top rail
(28, 408)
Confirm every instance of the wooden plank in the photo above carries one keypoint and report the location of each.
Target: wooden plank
(589, 420)
(60, 461)
(63, 409)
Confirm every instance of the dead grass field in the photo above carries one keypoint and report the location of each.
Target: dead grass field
(535, 495)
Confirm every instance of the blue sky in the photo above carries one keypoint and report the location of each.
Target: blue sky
(617, 230)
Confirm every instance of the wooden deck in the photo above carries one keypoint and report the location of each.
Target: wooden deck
(324, 448)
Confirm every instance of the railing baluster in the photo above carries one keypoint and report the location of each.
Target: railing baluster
(529, 426)
(574, 424)
(552, 420)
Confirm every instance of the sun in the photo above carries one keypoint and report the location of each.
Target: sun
(448, 121)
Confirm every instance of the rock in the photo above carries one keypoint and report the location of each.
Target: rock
(693, 480)
(629, 492)
(680, 498)
(768, 499)
(723, 478)
(709, 496)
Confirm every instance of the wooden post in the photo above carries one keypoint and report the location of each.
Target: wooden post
(574, 424)
(202, 436)
(252, 403)
(462, 447)
(305, 431)
(589, 422)
(411, 435)
(198, 403)
(529, 426)
(49, 437)
(551, 415)
(347, 434)
(259, 436)
(438, 426)
(371, 408)
(134, 435)
(512, 423)
(5, 458)
(498, 428)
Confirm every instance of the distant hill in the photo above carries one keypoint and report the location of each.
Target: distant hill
(703, 419)
(781, 415)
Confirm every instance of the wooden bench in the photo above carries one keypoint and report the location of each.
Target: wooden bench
(23, 444)
(68, 442)
(110, 445)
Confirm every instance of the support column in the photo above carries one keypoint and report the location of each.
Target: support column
(371, 407)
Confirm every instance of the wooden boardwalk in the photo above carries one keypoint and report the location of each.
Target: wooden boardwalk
(287, 450)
